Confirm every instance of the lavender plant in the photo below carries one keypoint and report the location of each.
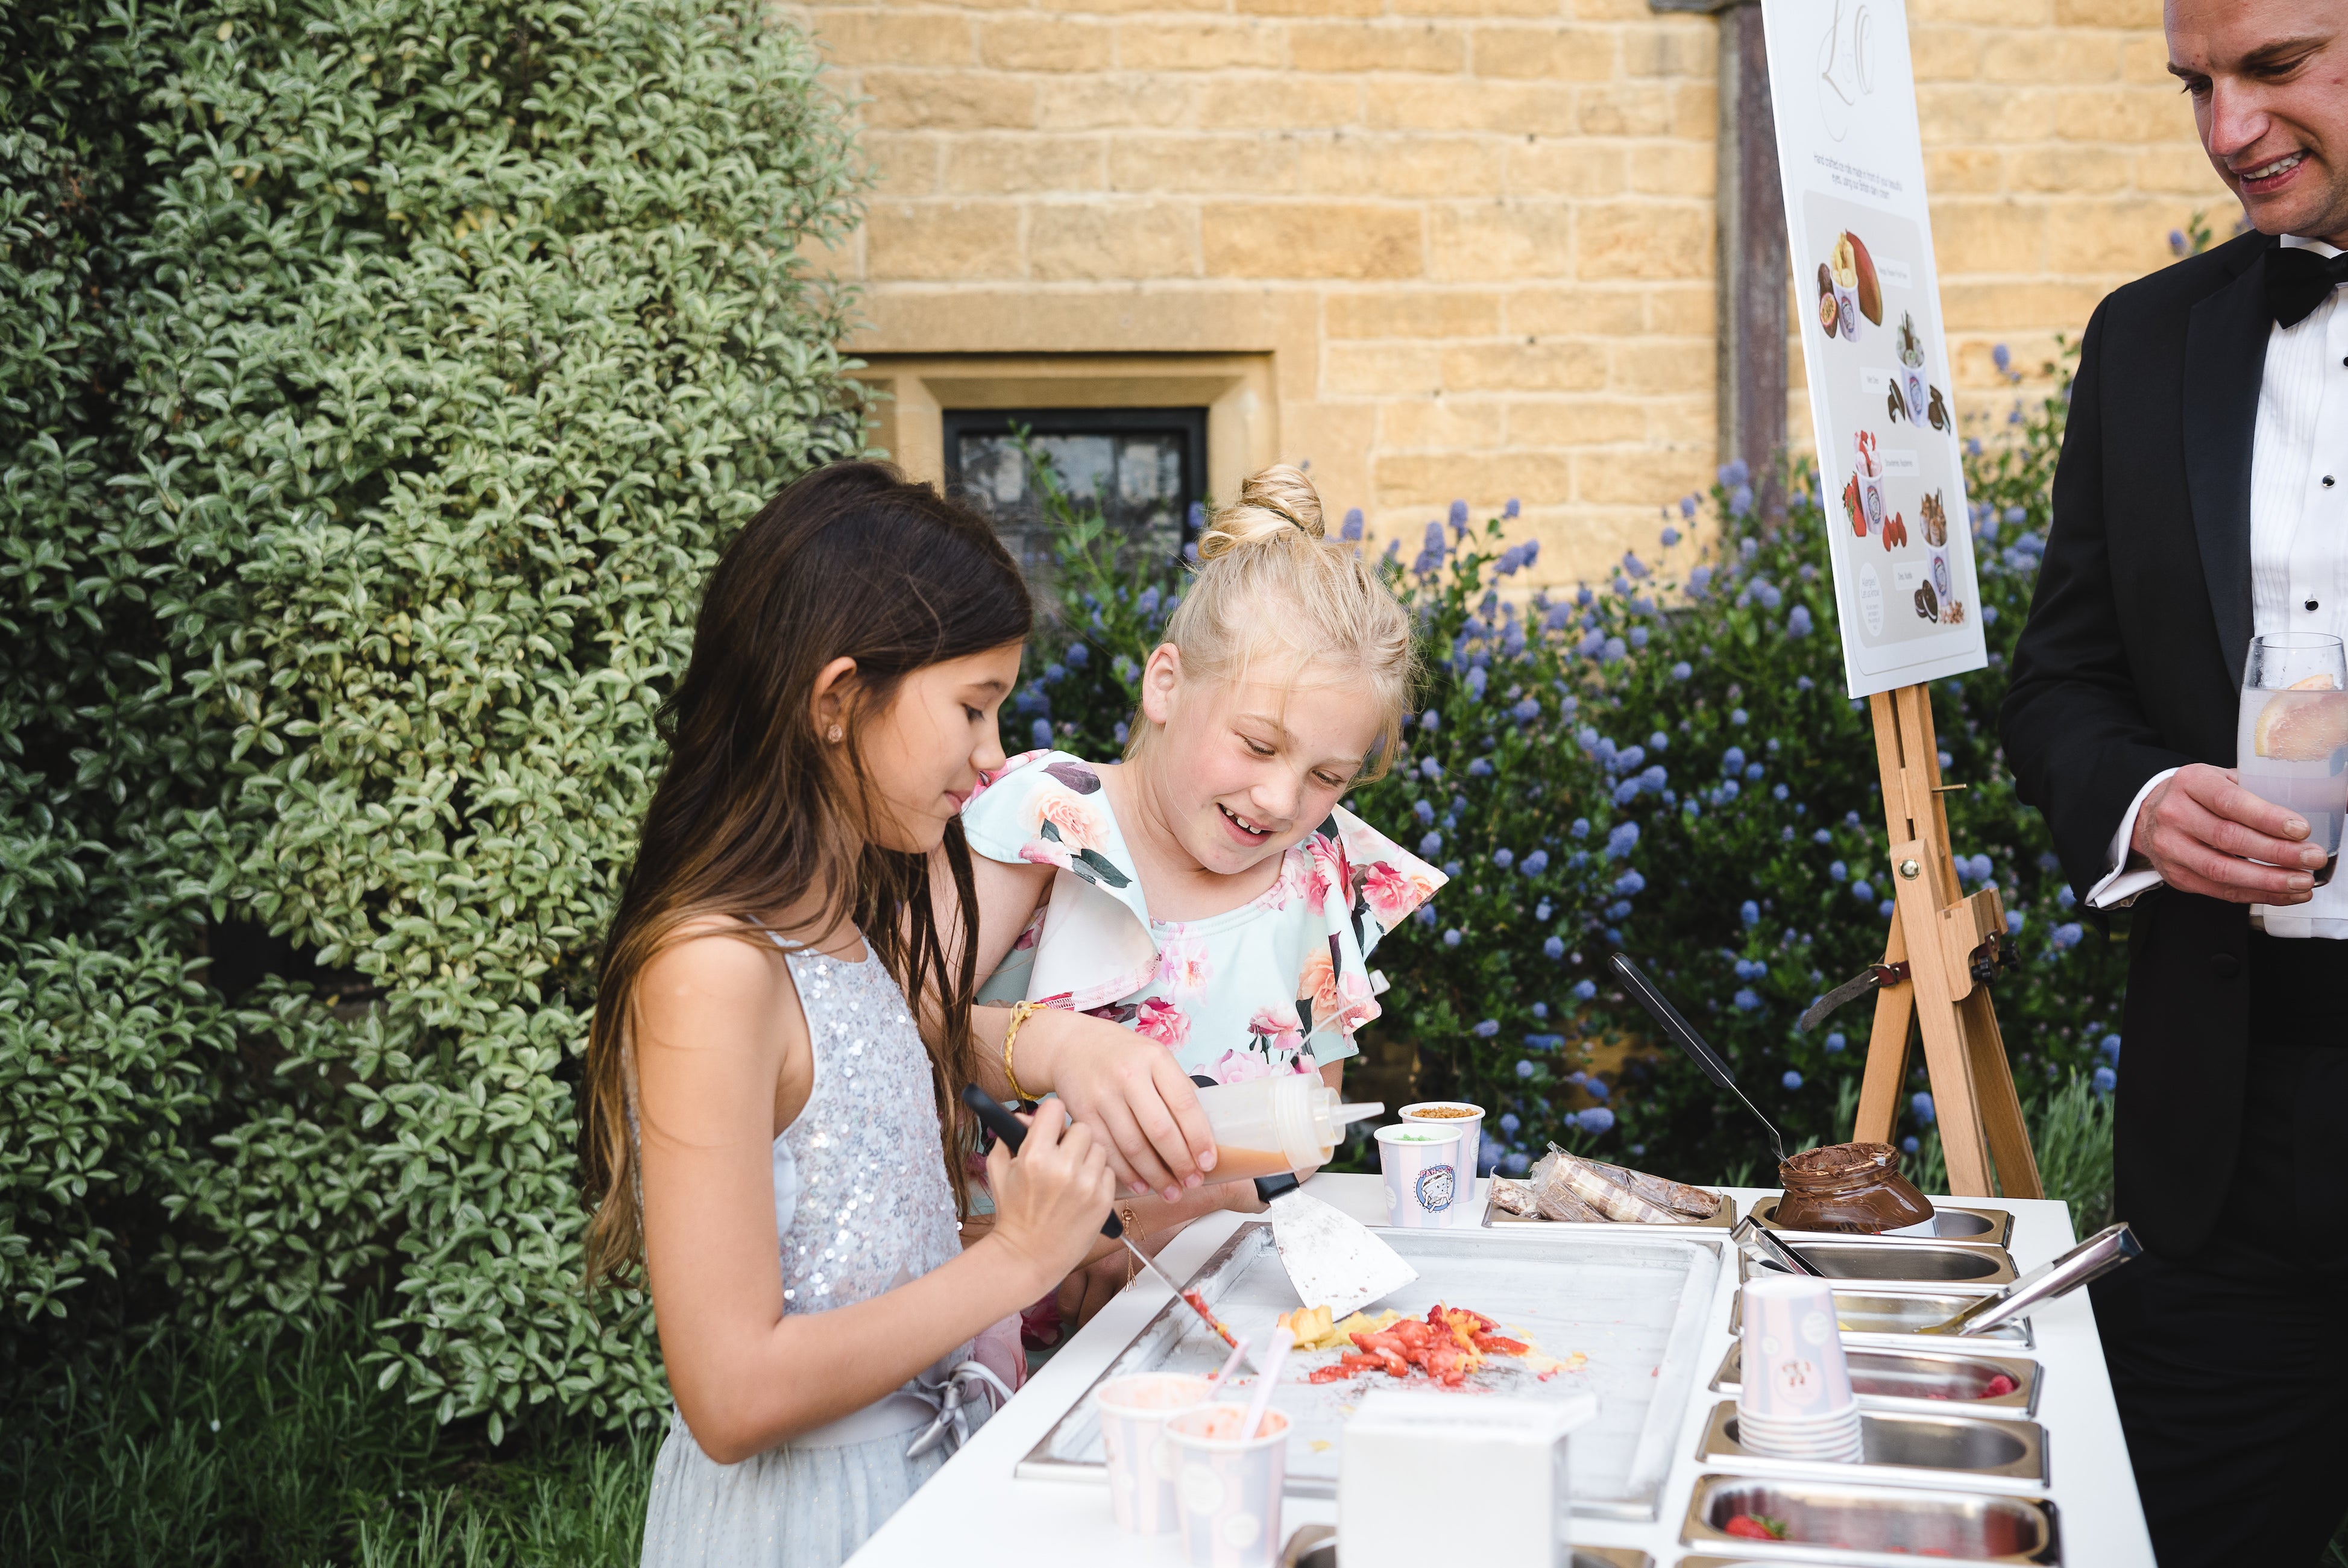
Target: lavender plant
(1663, 763)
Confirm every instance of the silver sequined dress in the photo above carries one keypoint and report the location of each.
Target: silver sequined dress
(861, 1204)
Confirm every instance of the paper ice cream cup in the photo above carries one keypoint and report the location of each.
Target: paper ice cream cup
(1846, 312)
(1141, 1465)
(1423, 1171)
(1870, 499)
(1466, 1212)
(1228, 1486)
(1916, 394)
(1793, 1362)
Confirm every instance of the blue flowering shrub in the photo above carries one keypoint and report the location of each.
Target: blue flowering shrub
(1664, 763)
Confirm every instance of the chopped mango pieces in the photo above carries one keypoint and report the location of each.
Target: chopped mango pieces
(1312, 1330)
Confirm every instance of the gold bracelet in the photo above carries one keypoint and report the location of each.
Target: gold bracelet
(1020, 1013)
(1133, 1228)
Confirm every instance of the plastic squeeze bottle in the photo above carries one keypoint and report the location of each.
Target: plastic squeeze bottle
(1268, 1125)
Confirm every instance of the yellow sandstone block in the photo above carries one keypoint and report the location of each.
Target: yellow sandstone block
(1046, 44)
(1023, 163)
(1642, 239)
(1550, 365)
(1560, 53)
(1409, 46)
(1115, 239)
(1203, 163)
(1377, 313)
(1311, 240)
(1200, 46)
(1495, 240)
(946, 100)
(892, 37)
(942, 239)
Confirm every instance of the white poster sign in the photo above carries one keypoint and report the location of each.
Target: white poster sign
(1869, 305)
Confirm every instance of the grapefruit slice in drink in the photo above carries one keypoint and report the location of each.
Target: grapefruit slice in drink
(2306, 722)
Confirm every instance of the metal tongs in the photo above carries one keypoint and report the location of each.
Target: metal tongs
(1762, 1247)
(2092, 1258)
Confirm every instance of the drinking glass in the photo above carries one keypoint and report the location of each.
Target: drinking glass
(2291, 749)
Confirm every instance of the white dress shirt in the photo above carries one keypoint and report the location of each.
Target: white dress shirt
(2299, 555)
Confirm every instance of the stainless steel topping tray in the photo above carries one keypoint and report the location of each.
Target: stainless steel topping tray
(1898, 1445)
(1908, 1263)
(1315, 1546)
(1950, 1222)
(1876, 1314)
(1723, 1219)
(1634, 1304)
(1959, 1377)
(1972, 1527)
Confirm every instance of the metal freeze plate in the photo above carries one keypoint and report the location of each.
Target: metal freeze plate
(1634, 1305)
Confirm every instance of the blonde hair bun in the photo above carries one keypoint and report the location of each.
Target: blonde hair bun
(1270, 502)
(1269, 574)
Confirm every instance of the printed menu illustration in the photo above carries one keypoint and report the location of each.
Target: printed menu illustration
(1888, 450)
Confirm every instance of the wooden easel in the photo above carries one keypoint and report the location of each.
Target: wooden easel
(1978, 1114)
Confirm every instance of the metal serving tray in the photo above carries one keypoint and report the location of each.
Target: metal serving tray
(1929, 1382)
(1950, 1222)
(1723, 1219)
(1899, 1445)
(1936, 1263)
(1315, 1546)
(1899, 1314)
(1909, 1522)
(1634, 1305)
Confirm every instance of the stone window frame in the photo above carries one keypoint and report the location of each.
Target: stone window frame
(1238, 390)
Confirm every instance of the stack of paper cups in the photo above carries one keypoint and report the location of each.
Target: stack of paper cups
(1793, 1398)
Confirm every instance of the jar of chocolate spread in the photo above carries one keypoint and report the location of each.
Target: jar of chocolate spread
(1850, 1187)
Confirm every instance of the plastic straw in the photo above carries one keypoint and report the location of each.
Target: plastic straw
(1281, 1342)
(1230, 1364)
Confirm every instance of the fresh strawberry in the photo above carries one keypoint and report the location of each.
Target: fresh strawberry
(1755, 1527)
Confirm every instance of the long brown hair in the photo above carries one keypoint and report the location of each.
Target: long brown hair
(751, 817)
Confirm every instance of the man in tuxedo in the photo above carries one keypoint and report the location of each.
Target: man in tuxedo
(2201, 500)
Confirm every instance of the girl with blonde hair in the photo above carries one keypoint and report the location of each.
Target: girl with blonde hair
(1207, 891)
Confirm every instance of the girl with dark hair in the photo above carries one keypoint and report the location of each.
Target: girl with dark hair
(756, 1083)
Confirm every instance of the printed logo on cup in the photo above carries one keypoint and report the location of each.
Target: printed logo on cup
(1434, 1190)
(1798, 1380)
(1816, 1326)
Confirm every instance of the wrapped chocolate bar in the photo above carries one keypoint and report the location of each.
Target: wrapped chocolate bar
(1570, 1187)
(1855, 1188)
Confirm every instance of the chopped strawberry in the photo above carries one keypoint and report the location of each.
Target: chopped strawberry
(1336, 1374)
(1499, 1345)
(2001, 1384)
(1755, 1527)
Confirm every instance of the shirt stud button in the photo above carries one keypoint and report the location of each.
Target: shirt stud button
(2327, 481)
(2311, 604)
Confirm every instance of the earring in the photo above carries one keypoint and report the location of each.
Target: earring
(833, 733)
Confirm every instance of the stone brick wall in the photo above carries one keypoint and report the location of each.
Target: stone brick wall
(1474, 235)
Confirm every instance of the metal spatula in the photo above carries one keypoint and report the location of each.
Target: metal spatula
(1331, 1258)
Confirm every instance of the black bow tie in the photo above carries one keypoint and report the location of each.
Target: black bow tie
(2298, 280)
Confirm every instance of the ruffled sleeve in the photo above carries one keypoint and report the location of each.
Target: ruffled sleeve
(1388, 882)
(1362, 885)
(1094, 946)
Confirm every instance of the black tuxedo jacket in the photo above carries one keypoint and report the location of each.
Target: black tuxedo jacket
(2131, 663)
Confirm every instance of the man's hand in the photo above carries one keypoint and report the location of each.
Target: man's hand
(2204, 833)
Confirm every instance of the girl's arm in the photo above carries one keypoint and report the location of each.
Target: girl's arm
(1129, 1089)
(722, 1061)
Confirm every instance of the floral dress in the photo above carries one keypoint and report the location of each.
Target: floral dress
(1279, 984)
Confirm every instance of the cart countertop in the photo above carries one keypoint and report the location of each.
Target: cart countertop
(976, 1513)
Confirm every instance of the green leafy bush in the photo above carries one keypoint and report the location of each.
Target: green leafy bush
(1665, 764)
(455, 336)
